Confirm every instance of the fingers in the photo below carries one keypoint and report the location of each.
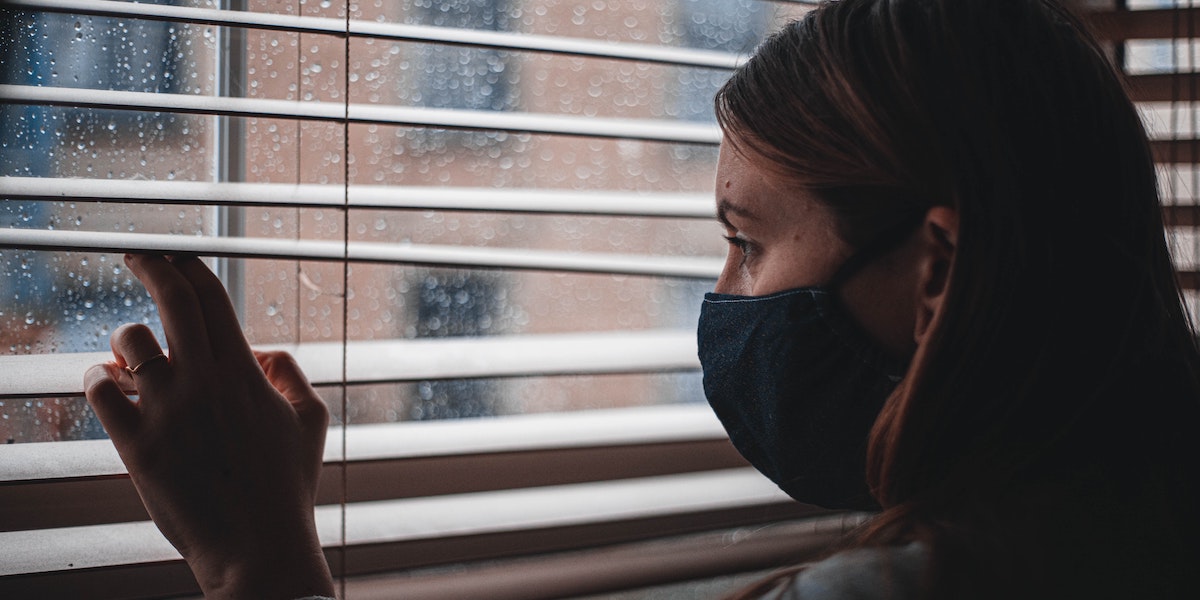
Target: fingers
(134, 345)
(136, 351)
(285, 375)
(224, 331)
(116, 411)
(182, 316)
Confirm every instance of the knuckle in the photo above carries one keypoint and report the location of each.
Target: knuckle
(132, 334)
(268, 358)
(130, 330)
(281, 359)
(286, 358)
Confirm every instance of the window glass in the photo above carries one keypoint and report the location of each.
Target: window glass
(60, 302)
(55, 302)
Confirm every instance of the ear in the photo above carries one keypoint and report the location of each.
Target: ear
(939, 240)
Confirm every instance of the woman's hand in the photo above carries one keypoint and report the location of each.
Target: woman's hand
(223, 443)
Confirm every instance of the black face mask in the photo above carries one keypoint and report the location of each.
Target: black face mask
(798, 384)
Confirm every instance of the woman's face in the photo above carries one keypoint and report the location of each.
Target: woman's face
(779, 237)
(782, 238)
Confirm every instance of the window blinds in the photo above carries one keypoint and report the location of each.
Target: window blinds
(395, 495)
(383, 477)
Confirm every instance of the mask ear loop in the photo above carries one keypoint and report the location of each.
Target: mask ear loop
(882, 244)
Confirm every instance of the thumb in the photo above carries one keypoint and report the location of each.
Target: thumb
(116, 411)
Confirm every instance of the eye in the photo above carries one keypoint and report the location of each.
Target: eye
(744, 246)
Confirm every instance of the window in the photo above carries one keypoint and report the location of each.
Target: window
(495, 213)
(491, 209)
(733, 26)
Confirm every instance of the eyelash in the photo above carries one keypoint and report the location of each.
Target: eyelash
(742, 245)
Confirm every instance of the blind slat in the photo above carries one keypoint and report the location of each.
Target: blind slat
(599, 203)
(39, 462)
(603, 127)
(683, 57)
(393, 361)
(407, 254)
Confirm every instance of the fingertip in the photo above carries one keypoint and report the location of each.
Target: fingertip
(96, 375)
(115, 410)
(280, 363)
(284, 372)
(131, 343)
(181, 258)
(137, 263)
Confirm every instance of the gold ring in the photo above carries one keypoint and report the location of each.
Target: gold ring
(134, 369)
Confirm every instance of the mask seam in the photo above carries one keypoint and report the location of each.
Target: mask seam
(785, 294)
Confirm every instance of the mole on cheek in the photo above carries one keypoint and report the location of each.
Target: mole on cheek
(727, 184)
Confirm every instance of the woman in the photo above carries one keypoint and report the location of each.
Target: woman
(967, 181)
(947, 270)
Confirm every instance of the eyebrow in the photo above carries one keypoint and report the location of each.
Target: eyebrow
(725, 208)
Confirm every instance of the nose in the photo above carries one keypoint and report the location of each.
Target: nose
(733, 278)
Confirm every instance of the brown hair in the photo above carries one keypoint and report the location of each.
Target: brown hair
(1044, 431)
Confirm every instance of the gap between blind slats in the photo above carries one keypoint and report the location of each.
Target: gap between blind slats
(1164, 87)
(1181, 215)
(655, 130)
(685, 267)
(1188, 279)
(1179, 151)
(1164, 23)
(683, 57)
(594, 203)
(394, 361)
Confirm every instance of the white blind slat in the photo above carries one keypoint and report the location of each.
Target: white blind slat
(413, 116)
(685, 57)
(599, 203)
(408, 254)
(387, 361)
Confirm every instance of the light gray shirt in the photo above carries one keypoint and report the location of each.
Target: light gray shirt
(890, 573)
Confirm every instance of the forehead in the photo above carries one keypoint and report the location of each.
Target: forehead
(745, 186)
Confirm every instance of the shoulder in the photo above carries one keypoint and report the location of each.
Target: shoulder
(889, 573)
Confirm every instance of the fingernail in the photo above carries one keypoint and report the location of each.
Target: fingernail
(94, 375)
(128, 259)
